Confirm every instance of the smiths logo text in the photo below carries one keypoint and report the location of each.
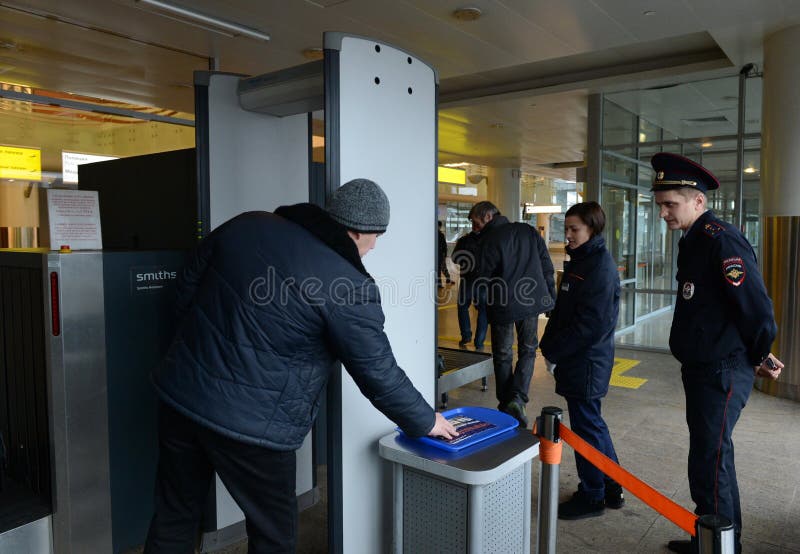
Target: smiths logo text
(151, 279)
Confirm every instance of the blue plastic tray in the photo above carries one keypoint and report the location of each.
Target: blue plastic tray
(488, 423)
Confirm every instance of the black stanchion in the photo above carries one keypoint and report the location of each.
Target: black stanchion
(547, 426)
(715, 535)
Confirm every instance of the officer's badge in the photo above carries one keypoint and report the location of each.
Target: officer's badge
(734, 271)
(688, 290)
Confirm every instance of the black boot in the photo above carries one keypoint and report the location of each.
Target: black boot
(682, 547)
(580, 506)
(615, 499)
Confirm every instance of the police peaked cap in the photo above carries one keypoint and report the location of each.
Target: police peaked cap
(674, 171)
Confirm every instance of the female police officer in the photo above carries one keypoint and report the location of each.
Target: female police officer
(722, 331)
(579, 339)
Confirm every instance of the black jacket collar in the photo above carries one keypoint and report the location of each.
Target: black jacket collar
(316, 221)
(496, 221)
(588, 248)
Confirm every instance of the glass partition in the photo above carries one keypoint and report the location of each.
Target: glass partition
(698, 120)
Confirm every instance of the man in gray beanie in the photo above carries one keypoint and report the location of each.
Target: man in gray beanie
(261, 326)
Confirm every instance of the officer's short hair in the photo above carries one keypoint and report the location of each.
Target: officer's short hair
(482, 209)
(689, 193)
(591, 214)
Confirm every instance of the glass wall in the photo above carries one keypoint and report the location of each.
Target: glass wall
(700, 121)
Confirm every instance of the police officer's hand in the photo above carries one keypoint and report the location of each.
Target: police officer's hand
(443, 428)
(770, 368)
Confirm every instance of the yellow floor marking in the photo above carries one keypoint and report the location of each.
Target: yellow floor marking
(621, 365)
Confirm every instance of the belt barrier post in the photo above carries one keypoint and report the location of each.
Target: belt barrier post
(715, 535)
(547, 426)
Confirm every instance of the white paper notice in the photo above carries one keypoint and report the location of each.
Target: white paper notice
(74, 219)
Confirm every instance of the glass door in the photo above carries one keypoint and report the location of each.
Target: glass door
(619, 204)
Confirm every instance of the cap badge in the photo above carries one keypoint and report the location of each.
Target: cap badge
(660, 175)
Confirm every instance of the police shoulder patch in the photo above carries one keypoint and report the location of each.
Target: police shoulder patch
(734, 271)
(712, 229)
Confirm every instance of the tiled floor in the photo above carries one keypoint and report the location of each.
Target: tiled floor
(650, 436)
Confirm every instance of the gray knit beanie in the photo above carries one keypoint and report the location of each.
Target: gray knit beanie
(360, 205)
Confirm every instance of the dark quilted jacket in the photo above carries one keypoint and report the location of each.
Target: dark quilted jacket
(268, 305)
(579, 337)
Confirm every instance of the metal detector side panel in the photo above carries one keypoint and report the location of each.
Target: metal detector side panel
(34, 537)
(387, 133)
(256, 161)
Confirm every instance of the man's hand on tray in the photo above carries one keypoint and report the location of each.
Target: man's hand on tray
(442, 428)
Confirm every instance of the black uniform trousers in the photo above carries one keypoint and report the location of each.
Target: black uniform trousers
(261, 481)
(715, 397)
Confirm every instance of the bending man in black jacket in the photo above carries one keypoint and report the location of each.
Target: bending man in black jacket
(516, 270)
(261, 328)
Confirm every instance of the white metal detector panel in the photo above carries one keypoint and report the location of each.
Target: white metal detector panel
(32, 538)
(256, 162)
(387, 124)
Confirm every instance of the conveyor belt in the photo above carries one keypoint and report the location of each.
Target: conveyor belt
(455, 359)
(461, 367)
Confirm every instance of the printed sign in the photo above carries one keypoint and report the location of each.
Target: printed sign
(71, 160)
(74, 219)
(20, 163)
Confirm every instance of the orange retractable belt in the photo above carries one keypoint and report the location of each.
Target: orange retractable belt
(676, 513)
(549, 451)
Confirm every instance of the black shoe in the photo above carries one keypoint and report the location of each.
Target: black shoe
(614, 498)
(478, 348)
(463, 343)
(580, 506)
(517, 409)
(681, 547)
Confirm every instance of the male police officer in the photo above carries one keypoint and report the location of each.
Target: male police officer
(721, 332)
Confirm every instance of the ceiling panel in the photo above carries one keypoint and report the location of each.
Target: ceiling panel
(115, 49)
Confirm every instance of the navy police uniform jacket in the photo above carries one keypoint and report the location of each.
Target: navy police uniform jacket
(723, 313)
(262, 326)
(579, 337)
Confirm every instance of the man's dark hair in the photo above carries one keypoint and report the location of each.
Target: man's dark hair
(440, 224)
(482, 209)
(591, 214)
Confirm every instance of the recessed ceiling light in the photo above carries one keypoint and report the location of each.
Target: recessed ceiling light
(649, 13)
(467, 14)
(750, 169)
(707, 144)
(313, 53)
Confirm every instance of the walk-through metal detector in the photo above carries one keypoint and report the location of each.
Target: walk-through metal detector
(380, 123)
(72, 325)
